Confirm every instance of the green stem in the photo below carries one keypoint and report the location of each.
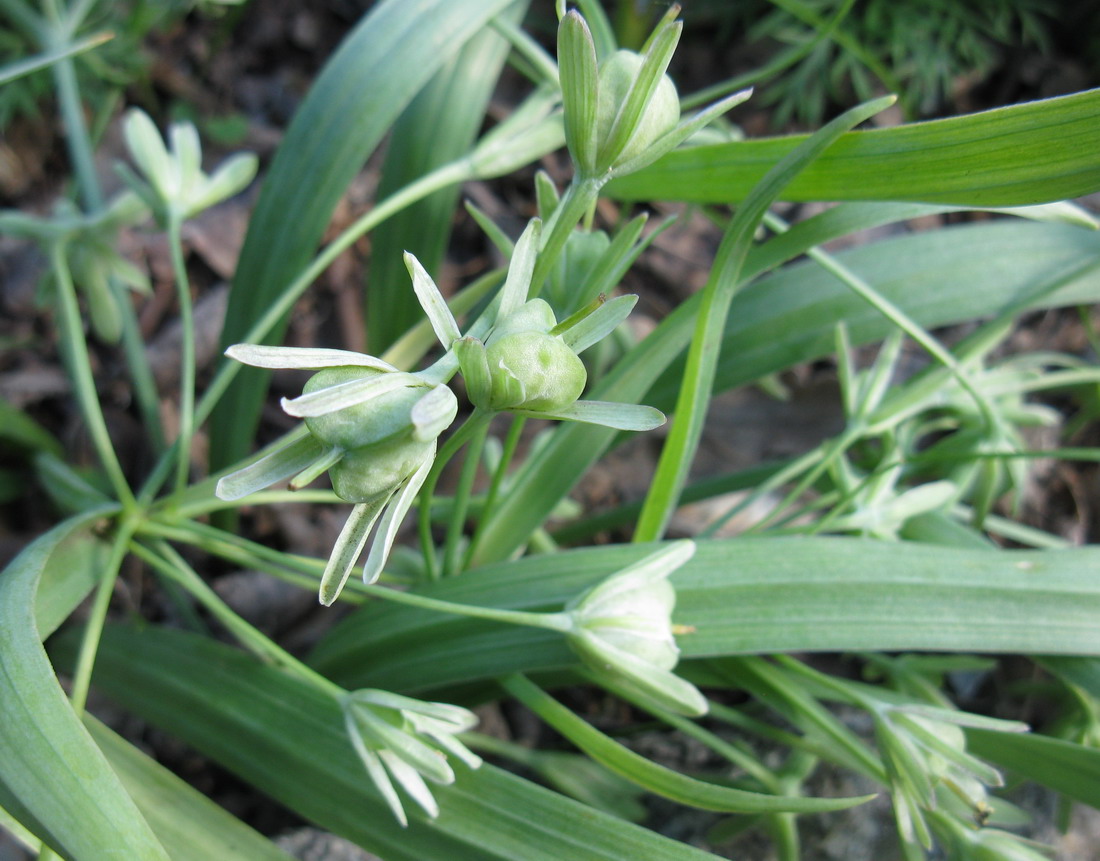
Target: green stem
(81, 154)
(462, 501)
(75, 349)
(573, 206)
(511, 441)
(97, 615)
(560, 622)
(187, 358)
(76, 130)
(449, 449)
(169, 563)
(137, 360)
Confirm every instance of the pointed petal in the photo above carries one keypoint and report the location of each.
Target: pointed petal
(334, 398)
(433, 413)
(327, 460)
(599, 324)
(304, 358)
(147, 148)
(518, 283)
(391, 522)
(655, 566)
(474, 365)
(375, 770)
(433, 303)
(631, 417)
(411, 782)
(281, 464)
(349, 545)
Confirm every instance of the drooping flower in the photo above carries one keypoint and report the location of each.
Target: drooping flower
(622, 631)
(406, 740)
(372, 426)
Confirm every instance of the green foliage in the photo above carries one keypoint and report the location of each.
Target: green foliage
(921, 47)
(882, 537)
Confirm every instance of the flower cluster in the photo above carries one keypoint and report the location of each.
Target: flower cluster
(374, 427)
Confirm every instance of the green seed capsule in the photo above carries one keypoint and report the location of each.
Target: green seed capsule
(549, 374)
(378, 419)
(368, 473)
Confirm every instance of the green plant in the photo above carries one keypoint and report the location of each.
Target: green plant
(832, 51)
(875, 541)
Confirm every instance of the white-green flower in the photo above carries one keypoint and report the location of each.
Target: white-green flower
(371, 426)
(623, 113)
(172, 181)
(525, 361)
(622, 631)
(403, 740)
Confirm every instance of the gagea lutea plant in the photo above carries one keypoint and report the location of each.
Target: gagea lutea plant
(485, 588)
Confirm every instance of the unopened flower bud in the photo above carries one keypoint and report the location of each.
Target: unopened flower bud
(661, 114)
(623, 630)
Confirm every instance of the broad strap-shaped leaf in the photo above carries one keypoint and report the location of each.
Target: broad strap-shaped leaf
(937, 278)
(745, 596)
(53, 778)
(1030, 153)
(376, 72)
(189, 825)
(287, 738)
(438, 126)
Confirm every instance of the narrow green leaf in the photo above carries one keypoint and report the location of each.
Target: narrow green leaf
(745, 596)
(1072, 769)
(938, 278)
(287, 738)
(1029, 153)
(725, 280)
(191, 826)
(438, 126)
(377, 71)
(53, 778)
(656, 778)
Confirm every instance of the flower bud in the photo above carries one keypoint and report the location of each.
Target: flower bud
(623, 630)
(660, 115)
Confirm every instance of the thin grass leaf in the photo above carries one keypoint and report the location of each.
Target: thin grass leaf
(678, 452)
(656, 778)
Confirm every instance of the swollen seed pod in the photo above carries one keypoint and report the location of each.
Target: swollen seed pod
(534, 371)
(380, 418)
(373, 471)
